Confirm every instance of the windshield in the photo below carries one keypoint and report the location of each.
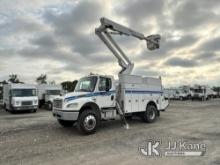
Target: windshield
(23, 92)
(198, 90)
(53, 92)
(86, 84)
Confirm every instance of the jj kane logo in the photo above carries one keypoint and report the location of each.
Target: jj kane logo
(172, 148)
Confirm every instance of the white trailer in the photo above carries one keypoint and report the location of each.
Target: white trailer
(97, 97)
(20, 97)
(46, 93)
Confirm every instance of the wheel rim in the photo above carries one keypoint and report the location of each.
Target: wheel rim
(90, 122)
(151, 114)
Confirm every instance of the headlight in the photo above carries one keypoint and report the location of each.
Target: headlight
(17, 102)
(73, 105)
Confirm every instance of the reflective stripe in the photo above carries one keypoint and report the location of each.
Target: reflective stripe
(142, 92)
(90, 95)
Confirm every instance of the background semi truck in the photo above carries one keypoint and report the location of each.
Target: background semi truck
(97, 97)
(46, 93)
(20, 97)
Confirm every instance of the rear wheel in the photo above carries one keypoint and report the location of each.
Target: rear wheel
(150, 115)
(66, 123)
(88, 121)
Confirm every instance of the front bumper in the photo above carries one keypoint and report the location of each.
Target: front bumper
(66, 115)
(197, 96)
(25, 107)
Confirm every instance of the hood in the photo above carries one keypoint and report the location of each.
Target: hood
(71, 94)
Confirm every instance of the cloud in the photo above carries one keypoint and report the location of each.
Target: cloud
(210, 45)
(58, 38)
(46, 41)
(138, 11)
(192, 14)
(167, 46)
(181, 62)
(19, 25)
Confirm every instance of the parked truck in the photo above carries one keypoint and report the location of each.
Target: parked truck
(1, 95)
(169, 93)
(46, 94)
(18, 97)
(97, 97)
(202, 92)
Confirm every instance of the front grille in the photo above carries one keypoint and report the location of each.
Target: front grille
(26, 103)
(57, 103)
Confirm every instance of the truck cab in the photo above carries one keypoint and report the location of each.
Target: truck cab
(46, 93)
(199, 93)
(182, 94)
(94, 90)
(20, 97)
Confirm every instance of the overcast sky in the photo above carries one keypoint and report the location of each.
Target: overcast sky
(56, 37)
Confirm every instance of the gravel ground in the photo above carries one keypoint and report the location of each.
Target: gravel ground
(37, 138)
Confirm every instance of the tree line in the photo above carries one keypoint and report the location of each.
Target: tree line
(42, 79)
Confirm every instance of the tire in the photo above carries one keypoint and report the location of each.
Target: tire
(34, 110)
(66, 123)
(150, 115)
(128, 117)
(88, 121)
(181, 98)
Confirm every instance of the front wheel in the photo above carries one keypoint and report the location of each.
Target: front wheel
(150, 115)
(88, 121)
(66, 123)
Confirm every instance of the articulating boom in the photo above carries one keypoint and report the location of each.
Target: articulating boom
(109, 27)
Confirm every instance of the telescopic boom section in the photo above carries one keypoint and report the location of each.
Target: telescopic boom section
(109, 27)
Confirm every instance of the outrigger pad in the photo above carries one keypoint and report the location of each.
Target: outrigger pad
(153, 42)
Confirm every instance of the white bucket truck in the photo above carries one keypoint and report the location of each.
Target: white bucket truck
(46, 94)
(20, 97)
(97, 97)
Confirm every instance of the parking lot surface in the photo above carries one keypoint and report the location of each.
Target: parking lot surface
(37, 138)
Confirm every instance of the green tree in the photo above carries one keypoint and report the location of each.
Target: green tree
(42, 79)
(217, 89)
(13, 78)
(69, 85)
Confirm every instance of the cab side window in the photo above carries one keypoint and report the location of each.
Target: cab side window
(104, 84)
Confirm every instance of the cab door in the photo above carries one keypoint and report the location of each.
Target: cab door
(105, 94)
